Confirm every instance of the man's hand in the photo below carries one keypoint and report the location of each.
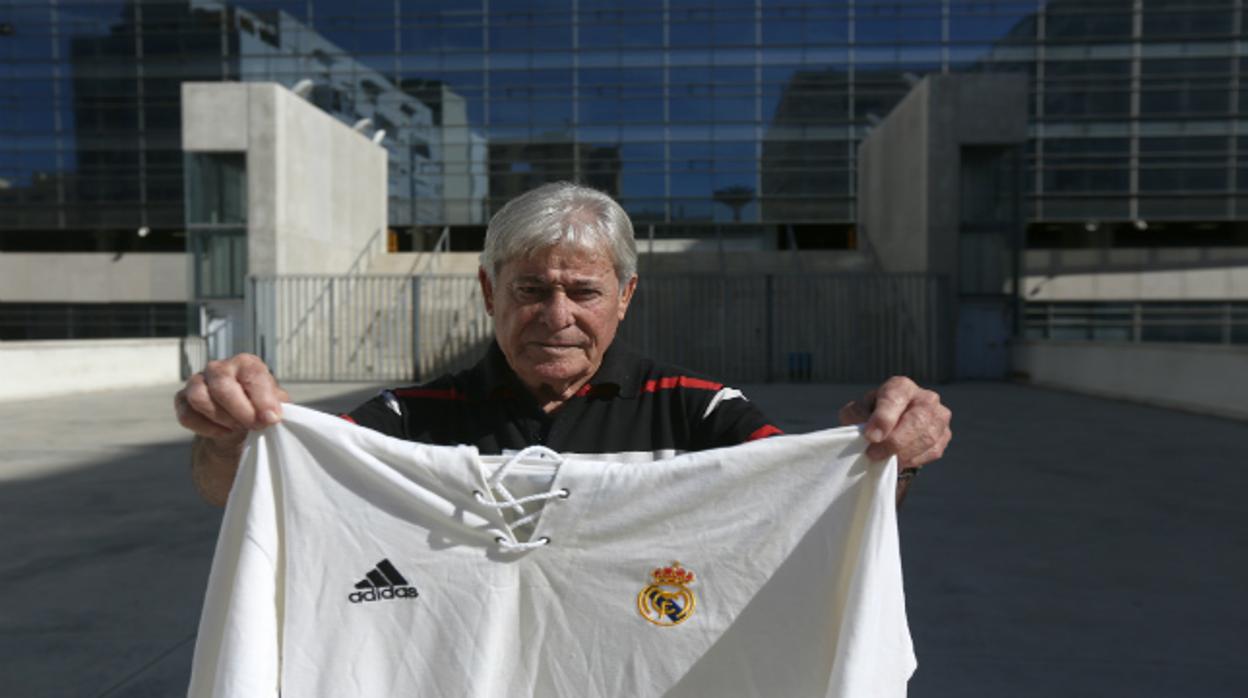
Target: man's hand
(221, 404)
(902, 419)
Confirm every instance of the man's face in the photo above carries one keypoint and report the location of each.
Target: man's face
(555, 314)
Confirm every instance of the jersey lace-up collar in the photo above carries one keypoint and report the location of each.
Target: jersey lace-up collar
(501, 498)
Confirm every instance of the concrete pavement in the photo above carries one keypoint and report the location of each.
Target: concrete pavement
(1066, 545)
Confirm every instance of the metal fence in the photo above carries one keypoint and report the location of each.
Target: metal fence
(364, 328)
(1201, 322)
(794, 327)
(739, 327)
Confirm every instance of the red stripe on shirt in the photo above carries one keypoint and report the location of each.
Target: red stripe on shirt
(763, 432)
(431, 393)
(348, 418)
(679, 381)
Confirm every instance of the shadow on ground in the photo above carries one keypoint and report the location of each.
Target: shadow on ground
(1065, 546)
(102, 572)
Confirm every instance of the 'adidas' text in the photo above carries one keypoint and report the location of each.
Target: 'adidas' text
(383, 593)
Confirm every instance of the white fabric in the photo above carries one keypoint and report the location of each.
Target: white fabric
(792, 539)
(723, 394)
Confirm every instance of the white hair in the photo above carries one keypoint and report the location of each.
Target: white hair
(560, 213)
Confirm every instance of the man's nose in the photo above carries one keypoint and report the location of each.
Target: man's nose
(557, 310)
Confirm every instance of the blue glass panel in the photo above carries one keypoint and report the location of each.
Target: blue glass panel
(644, 154)
(598, 35)
(642, 31)
(688, 105)
(1178, 21)
(1077, 22)
(783, 30)
(988, 28)
(734, 33)
(635, 182)
(691, 28)
(544, 7)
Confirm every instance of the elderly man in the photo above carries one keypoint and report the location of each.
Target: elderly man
(557, 273)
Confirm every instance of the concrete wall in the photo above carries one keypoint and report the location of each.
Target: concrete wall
(1202, 378)
(909, 166)
(892, 185)
(316, 189)
(88, 277)
(965, 110)
(1190, 273)
(30, 370)
(464, 186)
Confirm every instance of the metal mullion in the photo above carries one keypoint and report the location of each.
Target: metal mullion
(667, 114)
(1232, 202)
(1133, 172)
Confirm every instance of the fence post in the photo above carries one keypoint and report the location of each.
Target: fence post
(416, 369)
(769, 339)
(251, 323)
(723, 321)
(331, 328)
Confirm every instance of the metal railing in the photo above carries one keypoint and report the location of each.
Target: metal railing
(739, 327)
(1208, 322)
(794, 327)
(367, 327)
(193, 355)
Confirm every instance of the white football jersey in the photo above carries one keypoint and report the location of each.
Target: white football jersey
(350, 563)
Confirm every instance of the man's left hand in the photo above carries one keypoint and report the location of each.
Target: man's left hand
(902, 419)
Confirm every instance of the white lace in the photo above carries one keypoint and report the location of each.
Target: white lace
(503, 499)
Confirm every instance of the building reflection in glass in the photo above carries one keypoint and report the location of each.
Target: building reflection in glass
(679, 108)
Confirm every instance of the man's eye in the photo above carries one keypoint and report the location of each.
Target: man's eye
(584, 294)
(529, 291)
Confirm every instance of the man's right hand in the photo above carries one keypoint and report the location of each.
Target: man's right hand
(221, 404)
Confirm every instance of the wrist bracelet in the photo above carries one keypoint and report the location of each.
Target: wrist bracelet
(908, 474)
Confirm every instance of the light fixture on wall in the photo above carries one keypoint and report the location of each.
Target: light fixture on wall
(303, 88)
(144, 231)
(1092, 226)
(1141, 224)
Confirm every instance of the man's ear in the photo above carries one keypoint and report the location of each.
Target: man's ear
(487, 290)
(626, 296)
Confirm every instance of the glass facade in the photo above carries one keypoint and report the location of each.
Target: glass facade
(706, 118)
(30, 321)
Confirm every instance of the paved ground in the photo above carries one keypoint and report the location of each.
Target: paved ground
(1065, 546)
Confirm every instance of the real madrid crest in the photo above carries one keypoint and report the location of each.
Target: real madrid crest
(667, 600)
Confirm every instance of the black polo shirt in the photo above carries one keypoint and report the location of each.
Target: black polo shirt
(632, 404)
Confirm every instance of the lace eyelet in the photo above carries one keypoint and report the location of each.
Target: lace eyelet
(499, 539)
(545, 540)
(565, 493)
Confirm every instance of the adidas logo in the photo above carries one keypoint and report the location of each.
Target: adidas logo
(381, 583)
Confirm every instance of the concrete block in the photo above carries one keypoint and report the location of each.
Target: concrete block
(1162, 285)
(1237, 283)
(89, 277)
(214, 116)
(264, 184)
(1122, 285)
(1210, 379)
(30, 370)
(1206, 284)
